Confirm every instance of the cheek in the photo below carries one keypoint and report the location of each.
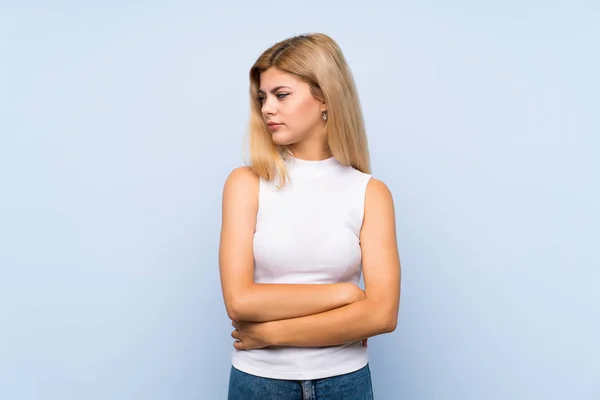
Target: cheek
(302, 114)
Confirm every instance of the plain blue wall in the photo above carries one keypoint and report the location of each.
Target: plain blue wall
(120, 121)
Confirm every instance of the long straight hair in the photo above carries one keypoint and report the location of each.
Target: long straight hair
(317, 60)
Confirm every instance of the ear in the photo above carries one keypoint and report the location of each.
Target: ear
(323, 106)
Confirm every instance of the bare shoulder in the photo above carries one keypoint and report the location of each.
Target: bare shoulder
(379, 223)
(242, 181)
(241, 176)
(378, 195)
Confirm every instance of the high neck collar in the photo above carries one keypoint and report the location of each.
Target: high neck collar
(307, 170)
(297, 162)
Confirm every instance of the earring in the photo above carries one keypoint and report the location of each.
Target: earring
(324, 115)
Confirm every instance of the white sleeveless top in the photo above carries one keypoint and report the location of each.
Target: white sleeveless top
(308, 232)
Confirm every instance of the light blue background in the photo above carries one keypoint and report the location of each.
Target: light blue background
(120, 121)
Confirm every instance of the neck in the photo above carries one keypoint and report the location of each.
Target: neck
(310, 153)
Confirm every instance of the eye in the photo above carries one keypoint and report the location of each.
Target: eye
(280, 96)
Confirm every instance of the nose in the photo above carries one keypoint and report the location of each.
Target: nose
(268, 106)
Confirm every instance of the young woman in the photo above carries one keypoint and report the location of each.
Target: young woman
(299, 226)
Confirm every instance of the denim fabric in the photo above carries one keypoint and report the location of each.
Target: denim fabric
(353, 386)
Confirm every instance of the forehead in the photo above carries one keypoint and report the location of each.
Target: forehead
(273, 77)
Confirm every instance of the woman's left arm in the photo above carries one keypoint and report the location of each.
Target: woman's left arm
(375, 315)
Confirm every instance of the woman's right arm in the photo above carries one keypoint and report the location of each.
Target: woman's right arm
(246, 300)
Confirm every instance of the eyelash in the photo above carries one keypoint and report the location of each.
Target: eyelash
(279, 96)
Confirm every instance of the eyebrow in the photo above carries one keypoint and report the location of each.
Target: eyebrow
(274, 89)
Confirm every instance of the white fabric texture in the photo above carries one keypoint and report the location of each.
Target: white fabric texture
(308, 232)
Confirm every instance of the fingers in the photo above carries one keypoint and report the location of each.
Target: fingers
(237, 336)
(237, 343)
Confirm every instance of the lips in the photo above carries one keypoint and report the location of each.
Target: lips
(274, 125)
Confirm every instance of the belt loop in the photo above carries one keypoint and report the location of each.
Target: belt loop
(308, 390)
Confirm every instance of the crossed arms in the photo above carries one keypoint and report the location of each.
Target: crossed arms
(307, 314)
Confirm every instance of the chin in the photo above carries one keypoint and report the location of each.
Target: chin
(282, 139)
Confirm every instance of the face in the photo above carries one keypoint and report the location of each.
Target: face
(289, 109)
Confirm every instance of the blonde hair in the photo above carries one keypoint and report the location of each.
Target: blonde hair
(317, 60)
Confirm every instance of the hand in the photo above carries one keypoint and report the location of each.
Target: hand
(249, 335)
(355, 293)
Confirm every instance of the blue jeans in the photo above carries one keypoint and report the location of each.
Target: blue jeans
(355, 386)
